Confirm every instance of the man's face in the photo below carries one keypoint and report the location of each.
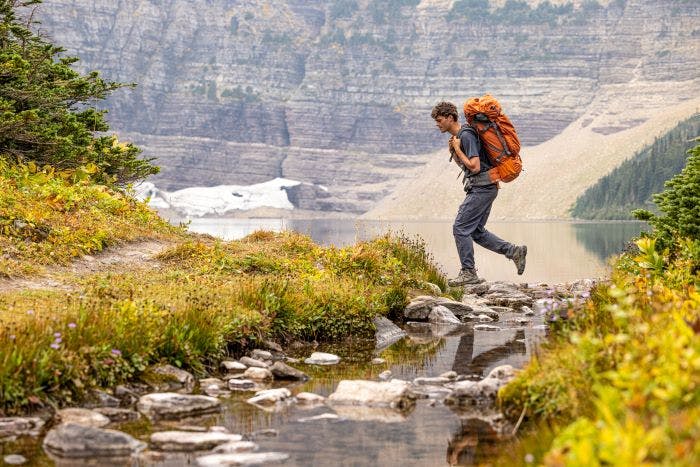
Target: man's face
(443, 123)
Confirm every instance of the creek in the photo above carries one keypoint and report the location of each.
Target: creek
(430, 432)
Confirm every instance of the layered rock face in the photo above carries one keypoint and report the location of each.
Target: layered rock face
(338, 93)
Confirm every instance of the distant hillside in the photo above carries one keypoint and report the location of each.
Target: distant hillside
(338, 93)
(632, 184)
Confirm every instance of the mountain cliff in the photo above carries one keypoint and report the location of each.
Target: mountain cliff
(338, 93)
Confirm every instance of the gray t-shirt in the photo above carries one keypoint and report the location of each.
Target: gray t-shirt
(471, 146)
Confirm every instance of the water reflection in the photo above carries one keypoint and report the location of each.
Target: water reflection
(557, 251)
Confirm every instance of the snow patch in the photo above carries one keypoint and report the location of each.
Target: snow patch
(218, 200)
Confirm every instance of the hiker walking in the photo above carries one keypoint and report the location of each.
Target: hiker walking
(481, 191)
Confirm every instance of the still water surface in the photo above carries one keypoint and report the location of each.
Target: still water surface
(557, 251)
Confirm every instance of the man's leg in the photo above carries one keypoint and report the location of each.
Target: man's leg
(496, 244)
(467, 220)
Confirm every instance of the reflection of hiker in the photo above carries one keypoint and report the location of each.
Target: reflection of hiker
(474, 211)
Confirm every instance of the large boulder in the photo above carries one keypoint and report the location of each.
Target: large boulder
(387, 332)
(442, 315)
(80, 441)
(168, 405)
(393, 394)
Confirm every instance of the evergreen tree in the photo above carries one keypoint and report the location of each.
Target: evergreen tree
(46, 108)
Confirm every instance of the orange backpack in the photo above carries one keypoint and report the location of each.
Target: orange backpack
(497, 135)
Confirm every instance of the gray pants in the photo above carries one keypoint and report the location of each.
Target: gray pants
(470, 227)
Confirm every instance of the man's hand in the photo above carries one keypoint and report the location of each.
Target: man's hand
(453, 143)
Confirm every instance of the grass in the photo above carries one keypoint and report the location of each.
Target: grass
(620, 381)
(207, 299)
(49, 217)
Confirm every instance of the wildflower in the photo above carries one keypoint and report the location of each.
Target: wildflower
(58, 340)
(12, 337)
(57, 335)
(116, 352)
(54, 346)
(72, 325)
(30, 312)
(529, 458)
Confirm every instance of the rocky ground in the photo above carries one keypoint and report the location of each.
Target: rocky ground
(172, 399)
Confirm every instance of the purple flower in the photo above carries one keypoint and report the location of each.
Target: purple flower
(57, 335)
(116, 352)
(72, 325)
(30, 312)
(58, 340)
(54, 346)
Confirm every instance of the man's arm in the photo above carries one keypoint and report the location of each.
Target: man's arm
(472, 162)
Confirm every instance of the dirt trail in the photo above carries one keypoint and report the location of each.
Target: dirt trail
(129, 256)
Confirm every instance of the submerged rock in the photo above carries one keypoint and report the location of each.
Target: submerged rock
(270, 396)
(310, 398)
(244, 458)
(322, 358)
(80, 441)
(189, 441)
(394, 394)
(14, 459)
(168, 405)
(236, 446)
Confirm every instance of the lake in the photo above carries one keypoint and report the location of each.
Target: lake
(558, 251)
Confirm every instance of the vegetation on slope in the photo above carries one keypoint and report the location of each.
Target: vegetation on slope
(619, 379)
(632, 185)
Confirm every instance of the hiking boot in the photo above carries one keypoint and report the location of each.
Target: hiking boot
(465, 277)
(518, 258)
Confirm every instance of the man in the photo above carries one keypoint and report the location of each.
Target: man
(469, 225)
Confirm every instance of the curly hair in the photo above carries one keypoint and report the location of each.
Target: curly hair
(445, 109)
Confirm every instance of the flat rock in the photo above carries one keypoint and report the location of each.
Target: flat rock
(242, 385)
(322, 417)
(393, 394)
(243, 458)
(486, 327)
(420, 307)
(270, 396)
(168, 405)
(281, 370)
(80, 441)
(385, 375)
(80, 416)
(322, 358)
(378, 361)
(188, 441)
(386, 332)
(258, 374)
(20, 426)
(253, 363)
(233, 366)
(236, 446)
(118, 415)
(477, 289)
